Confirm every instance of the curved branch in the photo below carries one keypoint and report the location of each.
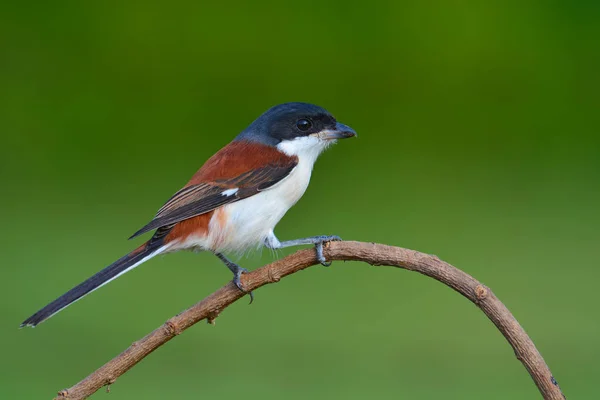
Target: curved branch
(375, 254)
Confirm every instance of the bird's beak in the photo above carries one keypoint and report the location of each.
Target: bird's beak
(341, 131)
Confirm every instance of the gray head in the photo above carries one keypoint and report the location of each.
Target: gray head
(291, 121)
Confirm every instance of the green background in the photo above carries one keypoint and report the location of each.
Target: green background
(478, 142)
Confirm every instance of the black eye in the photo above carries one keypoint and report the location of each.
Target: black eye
(304, 124)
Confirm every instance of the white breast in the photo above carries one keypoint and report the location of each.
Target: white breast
(249, 221)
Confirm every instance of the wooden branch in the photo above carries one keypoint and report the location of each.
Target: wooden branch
(375, 254)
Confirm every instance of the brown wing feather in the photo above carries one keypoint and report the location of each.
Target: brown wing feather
(254, 167)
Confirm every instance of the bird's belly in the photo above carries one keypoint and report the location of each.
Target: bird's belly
(245, 224)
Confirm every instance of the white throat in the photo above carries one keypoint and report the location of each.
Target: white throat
(306, 148)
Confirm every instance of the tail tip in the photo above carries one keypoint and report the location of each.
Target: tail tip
(31, 322)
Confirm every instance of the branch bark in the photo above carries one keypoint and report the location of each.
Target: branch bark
(374, 254)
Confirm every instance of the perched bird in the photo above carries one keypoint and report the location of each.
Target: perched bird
(235, 200)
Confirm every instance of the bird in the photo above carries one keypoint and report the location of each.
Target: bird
(234, 201)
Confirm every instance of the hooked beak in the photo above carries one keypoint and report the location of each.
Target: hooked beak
(341, 131)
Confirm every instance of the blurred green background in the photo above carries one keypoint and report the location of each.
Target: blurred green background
(478, 142)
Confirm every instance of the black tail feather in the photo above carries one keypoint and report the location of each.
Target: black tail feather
(107, 274)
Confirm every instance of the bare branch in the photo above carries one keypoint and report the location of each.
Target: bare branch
(375, 254)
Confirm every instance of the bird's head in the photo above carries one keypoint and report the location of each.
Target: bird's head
(297, 129)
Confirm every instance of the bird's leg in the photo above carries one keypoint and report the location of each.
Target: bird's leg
(237, 273)
(273, 243)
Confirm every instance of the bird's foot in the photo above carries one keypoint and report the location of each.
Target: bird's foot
(319, 240)
(237, 273)
(238, 282)
(272, 243)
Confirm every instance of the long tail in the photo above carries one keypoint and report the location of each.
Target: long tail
(113, 271)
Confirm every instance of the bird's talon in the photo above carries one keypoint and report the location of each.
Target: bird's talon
(320, 256)
(238, 282)
(237, 278)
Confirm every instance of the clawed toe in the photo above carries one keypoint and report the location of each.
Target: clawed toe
(237, 279)
(238, 282)
(320, 256)
(319, 248)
